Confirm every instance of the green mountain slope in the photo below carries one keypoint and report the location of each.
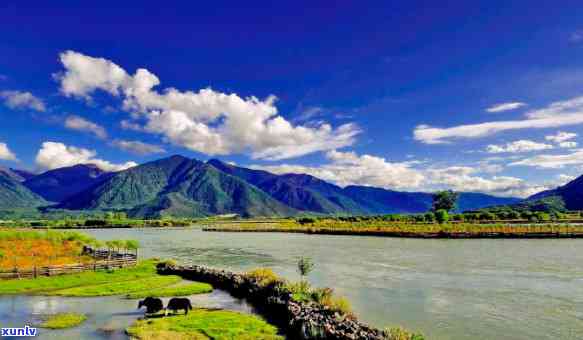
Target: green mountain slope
(177, 186)
(15, 195)
(566, 197)
(308, 193)
(302, 192)
(58, 184)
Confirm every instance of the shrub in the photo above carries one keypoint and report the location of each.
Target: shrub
(542, 216)
(167, 264)
(429, 217)
(398, 333)
(305, 266)
(300, 290)
(95, 223)
(321, 295)
(264, 276)
(441, 216)
(306, 220)
(338, 304)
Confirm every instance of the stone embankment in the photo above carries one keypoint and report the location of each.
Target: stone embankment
(274, 301)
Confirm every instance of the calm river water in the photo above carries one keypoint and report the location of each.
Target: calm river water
(448, 289)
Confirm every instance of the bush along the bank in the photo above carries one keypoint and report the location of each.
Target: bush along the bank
(300, 310)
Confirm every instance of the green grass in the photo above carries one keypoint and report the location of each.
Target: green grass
(182, 290)
(205, 324)
(119, 288)
(43, 285)
(63, 320)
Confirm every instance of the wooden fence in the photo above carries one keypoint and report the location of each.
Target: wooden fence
(111, 260)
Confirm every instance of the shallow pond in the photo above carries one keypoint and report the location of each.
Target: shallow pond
(107, 316)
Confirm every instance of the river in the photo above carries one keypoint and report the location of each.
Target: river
(447, 289)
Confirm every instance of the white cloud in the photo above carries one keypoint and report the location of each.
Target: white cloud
(563, 179)
(137, 147)
(552, 161)
(561, 136)
(463, 178)
(518, 146)
(563, 113)
(54, 155)
(82, 124)
(5, 153)
(348, 168)
(22, 100)
(505, 107)
(207, 121)
(568, 145)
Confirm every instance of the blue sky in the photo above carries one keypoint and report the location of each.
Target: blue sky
(475, 96)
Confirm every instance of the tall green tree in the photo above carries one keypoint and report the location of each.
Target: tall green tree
(446, 200)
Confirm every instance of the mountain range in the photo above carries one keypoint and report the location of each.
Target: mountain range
(179, 186)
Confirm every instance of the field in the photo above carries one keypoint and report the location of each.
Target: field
(26, 249)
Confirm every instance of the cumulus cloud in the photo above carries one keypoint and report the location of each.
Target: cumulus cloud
(463, 178)
(552, 161)
(562, 113)
(137, 147)
(348, 168)
(82, 124)
(22, 100)
(518, 146)
(505, 107)
(54, 155)
(206, 121)
(5, 153)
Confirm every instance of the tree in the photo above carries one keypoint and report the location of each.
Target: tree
(305, 266)
(445, 200)
(429, 217)
(441, 216)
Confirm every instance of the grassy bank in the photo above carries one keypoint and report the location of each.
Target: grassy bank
(134, 282)
(205, 324)
(178, 290)
(42, 285)
(401, 229)
(63, 320)
(119, 288)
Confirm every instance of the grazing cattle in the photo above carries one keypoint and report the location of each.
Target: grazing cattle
(176, 304)
(153, 305)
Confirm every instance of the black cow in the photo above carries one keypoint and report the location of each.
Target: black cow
(177, 304)
(153, 305)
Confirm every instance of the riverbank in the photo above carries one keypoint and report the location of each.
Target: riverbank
(423, 231)
(274, 299)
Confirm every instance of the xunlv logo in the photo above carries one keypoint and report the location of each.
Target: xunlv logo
(19, 331)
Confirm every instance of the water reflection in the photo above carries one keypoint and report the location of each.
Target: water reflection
(108, 317)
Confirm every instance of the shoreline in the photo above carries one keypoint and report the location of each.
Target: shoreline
(298, 320)
(404, 234)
